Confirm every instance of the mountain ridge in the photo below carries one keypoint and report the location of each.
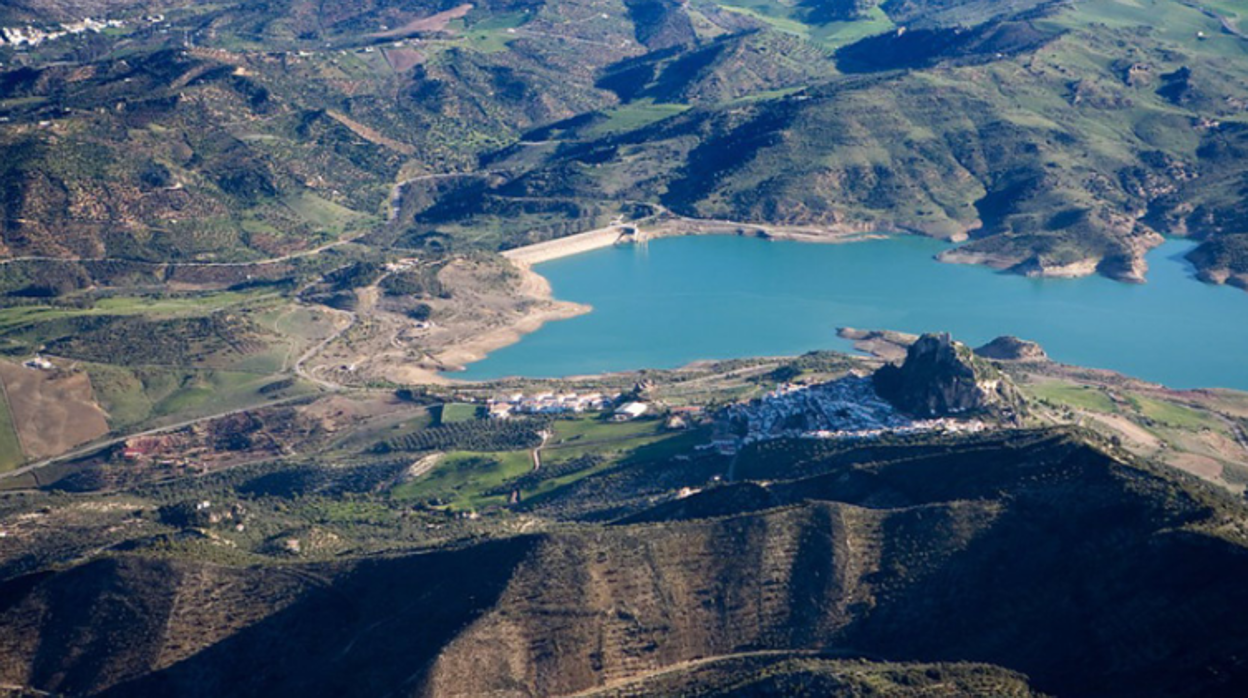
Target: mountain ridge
(567, 611)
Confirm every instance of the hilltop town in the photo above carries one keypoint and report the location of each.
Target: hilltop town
(848, 408)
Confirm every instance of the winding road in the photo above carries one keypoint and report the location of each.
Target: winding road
(259, 262)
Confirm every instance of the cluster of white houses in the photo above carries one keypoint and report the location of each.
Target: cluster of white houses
(32, 36)
(566, 403)
(549, 403)
(847, 408)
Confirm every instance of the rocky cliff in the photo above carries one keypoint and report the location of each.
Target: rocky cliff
(944, 378)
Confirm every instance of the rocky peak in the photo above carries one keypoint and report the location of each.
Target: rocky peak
(944, 378)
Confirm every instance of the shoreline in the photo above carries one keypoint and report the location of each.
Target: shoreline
(454, 359)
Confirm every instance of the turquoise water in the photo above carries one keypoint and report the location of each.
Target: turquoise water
(677, 300)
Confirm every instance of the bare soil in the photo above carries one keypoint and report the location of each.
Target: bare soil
(432, 23)
(490, 304)
(53, 410)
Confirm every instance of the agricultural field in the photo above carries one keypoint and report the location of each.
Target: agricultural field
(51, 410)
(11, 454)
(794, 18)
(125, 362)
(1077, 396)
(135, 397)
(631, 116)
(1196, 433)
(574, 448)
(453, 412)
(462, 480)
(16, 318)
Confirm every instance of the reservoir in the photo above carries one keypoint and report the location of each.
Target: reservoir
(676, 300)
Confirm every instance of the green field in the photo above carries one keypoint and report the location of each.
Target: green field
(641, 449)
(1077, 396)
(462, 477)
(787, 19)
(149, 306)
(453, 412)
(11, 454)
(1173, 415)
(490, 35)
(633, 115)
(463, 480)
(325, 214)
(590, 429)
(1174, 23)
(147, 395)
(1095, 400)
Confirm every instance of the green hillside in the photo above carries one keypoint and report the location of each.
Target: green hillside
(1057, 137)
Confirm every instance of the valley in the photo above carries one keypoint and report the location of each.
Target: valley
(623, 348)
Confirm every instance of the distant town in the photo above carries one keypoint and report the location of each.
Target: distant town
(33, 36)
(847, 408)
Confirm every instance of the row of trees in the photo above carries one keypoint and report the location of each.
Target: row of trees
(472, 435)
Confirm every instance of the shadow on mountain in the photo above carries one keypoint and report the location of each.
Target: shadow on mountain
(920, 48)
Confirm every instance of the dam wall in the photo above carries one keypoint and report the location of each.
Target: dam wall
(565, 246)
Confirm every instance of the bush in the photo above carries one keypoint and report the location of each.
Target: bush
(421, 283)
(421, 312)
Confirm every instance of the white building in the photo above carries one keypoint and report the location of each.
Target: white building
(631, 410)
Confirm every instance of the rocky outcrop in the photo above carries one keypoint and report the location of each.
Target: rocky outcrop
(1222, 260)
(1010, 348)
(943, 378)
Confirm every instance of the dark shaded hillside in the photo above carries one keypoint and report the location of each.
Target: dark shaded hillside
(727, 68)
(159, 628)
(1060, 538)
(659, 24)
(803, 675)
(1030, 551)
(924, 47)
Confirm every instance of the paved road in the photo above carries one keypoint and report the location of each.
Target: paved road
(259, 262)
